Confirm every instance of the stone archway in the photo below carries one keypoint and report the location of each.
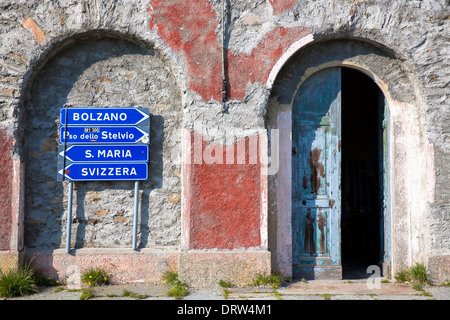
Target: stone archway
(101, 69)
(398, 86)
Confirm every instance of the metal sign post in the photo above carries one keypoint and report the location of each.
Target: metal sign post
(135, 218)
(69, 205)
(69, 217)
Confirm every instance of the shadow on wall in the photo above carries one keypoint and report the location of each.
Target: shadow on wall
(95, 71)
(145, 188)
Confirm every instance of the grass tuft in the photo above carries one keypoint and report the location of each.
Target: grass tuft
(415, 274)
(446, 283)
(225, 284)
(226, 293)
(95, 277)
(17, 282)
(131, 294)
(42, 280)
(273, 280)
(419, 274)
(178, 289)
(170, 278)
(87, 293)
(326, 296)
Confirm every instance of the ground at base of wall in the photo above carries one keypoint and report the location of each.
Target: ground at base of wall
(310, 290)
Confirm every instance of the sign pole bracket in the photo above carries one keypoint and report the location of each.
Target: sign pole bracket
(69, 206)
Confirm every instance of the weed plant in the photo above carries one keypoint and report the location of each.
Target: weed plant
(177, 289)
(95, 277)
(415, 274)
(17, 282)
(273, 280)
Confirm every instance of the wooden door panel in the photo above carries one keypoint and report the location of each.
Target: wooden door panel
(316, 164)
(312, 237)
(311, 170)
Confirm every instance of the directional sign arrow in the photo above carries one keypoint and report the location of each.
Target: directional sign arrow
(104, 171)
(105, 153)
(83, 135)
(105, 116)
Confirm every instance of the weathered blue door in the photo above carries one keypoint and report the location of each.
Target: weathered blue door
(316, 174)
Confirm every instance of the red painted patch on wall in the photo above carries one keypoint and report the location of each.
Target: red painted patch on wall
(281, 5)
(257, 66)
(6, 177)
(224, 202)
(190, 26)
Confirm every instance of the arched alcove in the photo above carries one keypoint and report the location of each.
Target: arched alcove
(100, 69)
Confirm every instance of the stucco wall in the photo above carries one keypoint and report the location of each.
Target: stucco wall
(166, 55)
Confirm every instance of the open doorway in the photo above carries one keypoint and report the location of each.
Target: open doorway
(361, 182)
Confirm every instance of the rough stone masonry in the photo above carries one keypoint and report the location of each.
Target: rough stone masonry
(211, 221)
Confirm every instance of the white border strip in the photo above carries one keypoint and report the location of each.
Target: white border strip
(297, 45)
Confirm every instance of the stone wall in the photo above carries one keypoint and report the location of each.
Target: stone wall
(102, 71)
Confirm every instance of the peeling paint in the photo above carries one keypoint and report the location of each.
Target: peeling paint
(305, 183)
(317, 170)
(190, 27)
(309, 243)
(321, 224)
(223, 201)
(6, 178)
(279, 6)
(30, 24)
(331, 201)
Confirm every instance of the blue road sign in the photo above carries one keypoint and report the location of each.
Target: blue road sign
(105, 116)
(104, 153)
(104, 172)
(83, 135)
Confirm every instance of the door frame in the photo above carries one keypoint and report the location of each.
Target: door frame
(385, 225)
(283, 256)
(385, 192)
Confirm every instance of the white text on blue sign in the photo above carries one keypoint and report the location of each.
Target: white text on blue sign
(105, 153)
(103, 135)
(107, 171)
(104, 116)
